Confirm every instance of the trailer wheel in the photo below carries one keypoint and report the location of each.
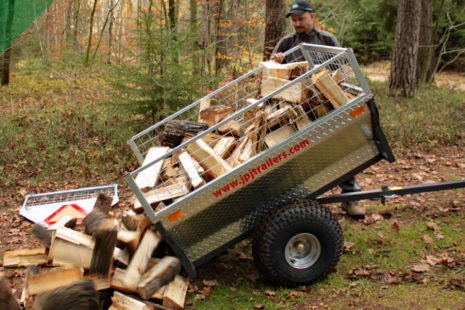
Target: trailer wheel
(297, 244)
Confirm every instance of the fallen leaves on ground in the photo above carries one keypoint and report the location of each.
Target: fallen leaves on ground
(420, 267)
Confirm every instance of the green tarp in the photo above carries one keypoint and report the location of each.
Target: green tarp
(16, 16)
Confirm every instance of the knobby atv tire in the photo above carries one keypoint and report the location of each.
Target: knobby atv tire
(281, 225)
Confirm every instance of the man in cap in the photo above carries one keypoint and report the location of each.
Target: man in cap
(303, 20)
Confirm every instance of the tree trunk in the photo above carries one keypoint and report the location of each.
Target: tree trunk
(120, 31)
(6, 57)
(67, 17)
(275, 25)
(220, 50)
(194, 29)
(205, 39)
(91, 30)
(425, 45)
(111, 7)
(110, 33)
(77, 46)
(403, 66)
(431, 57)
(5, 62)
(173, 19)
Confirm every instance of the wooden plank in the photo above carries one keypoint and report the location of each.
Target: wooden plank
(159, 275)
(43, 282)
(232, 127)
(120, 301)
(163, 193)
(149, 177)
(207, 158)
(175, 293)
(25, 257)
(189, 166)
(224, 147)
(140, 260)
(276, 136)
(329, 88)
(213, 115)
(297, 93)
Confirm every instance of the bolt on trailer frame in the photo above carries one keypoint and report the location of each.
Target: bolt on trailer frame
(336, 144)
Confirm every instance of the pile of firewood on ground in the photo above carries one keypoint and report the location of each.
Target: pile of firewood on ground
(98, 263)
(238, 140)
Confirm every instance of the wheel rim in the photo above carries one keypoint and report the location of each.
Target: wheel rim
(302, 250)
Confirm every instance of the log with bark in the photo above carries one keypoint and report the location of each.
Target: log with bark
(105, 242)
(176, 130)
(78, 295)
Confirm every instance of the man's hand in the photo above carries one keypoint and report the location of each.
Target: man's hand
(278, 57)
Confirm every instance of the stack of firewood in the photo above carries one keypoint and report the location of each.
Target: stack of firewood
(100, 254)
(236, 141)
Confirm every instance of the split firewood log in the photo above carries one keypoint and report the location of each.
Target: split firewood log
(215, 114)
(329, 88)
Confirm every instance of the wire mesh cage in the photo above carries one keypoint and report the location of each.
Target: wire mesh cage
(240, 121)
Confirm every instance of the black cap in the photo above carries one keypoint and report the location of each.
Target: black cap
(299, 7)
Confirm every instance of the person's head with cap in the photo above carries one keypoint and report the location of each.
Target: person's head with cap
(302, 16)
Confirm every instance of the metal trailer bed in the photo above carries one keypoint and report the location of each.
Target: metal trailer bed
(250, 197)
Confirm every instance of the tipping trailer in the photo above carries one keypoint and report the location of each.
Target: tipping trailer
(275, 194)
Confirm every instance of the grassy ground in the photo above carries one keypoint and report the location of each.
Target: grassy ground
(57, 134)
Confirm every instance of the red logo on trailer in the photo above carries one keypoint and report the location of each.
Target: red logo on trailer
(72, 210)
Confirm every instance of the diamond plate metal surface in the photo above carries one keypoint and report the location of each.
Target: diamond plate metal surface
(338, 145)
